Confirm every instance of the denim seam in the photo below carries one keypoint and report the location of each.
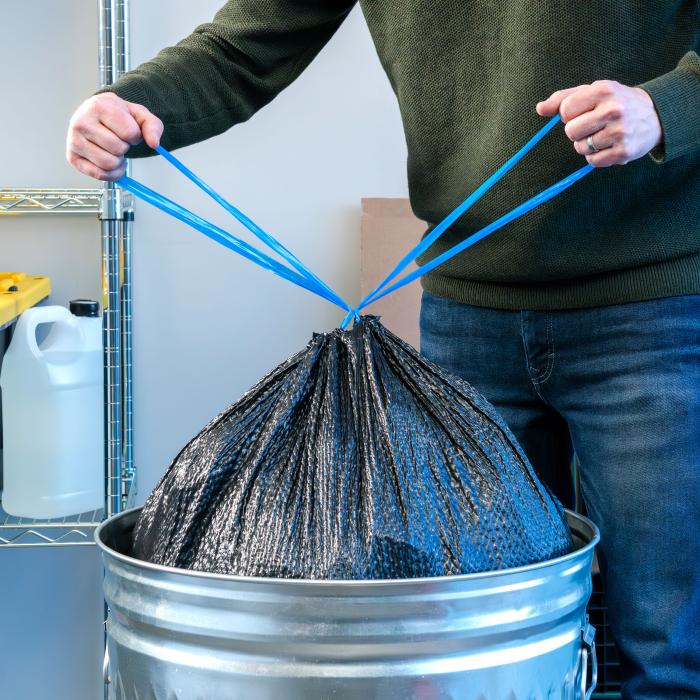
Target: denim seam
(550, 350)
(532, 372)
(538, 378)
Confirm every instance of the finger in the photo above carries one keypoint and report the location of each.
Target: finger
(616, 153)
(120, 121)
(601, 141)
(97, 156)
(588, 123)
(578, 103)
(151, 127)
(103, 137)
(607, 158)
(609, 137)
(550, 106)
(91, 170)
(588, 98)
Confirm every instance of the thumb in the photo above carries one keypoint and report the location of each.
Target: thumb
(151, 127)
(550, 106)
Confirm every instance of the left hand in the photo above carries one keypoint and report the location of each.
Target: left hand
(621, 121)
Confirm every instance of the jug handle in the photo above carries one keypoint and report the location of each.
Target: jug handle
(31, 319)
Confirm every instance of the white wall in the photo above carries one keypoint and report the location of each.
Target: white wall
(207, 324)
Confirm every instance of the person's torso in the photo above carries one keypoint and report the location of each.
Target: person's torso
(468, 73)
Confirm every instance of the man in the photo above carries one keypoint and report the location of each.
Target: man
(580, 321)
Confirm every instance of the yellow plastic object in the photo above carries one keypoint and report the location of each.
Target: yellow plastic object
(20, 291)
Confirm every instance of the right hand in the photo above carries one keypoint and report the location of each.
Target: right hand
(103, 129)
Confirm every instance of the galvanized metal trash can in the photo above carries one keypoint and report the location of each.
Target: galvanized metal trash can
(518, 634)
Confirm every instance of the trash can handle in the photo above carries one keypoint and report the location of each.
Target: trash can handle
(588, 648)
(105, 668)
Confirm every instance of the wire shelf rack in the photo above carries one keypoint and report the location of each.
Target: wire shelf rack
(15, 201)
(113, 209)
(71, 531)
(609, 678)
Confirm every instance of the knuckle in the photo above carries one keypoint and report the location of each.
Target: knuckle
(104, 99)
(75, 145)
(605, 87)
(92, 108)
(619, 108)
(78, 124)
(565, 110)
(614, 112)
(109, 162)
(133, 134)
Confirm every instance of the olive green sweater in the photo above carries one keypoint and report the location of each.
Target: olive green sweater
(467, 75)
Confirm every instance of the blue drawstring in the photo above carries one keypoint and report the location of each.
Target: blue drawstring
(382, 289)
(297, 273)
(474, 197)
(516, 213)
(219, 235)
(266, 238)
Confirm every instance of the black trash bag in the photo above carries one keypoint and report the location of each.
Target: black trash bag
(357, 458)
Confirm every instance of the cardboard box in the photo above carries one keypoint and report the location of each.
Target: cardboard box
(389, 231)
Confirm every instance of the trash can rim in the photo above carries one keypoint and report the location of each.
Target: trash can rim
(579, 525)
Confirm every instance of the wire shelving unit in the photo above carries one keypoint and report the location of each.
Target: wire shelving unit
(114, 211)
(72, 531)
(14, 201)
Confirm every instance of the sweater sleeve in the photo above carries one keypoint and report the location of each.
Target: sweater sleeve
(229, 68)
(676, 96)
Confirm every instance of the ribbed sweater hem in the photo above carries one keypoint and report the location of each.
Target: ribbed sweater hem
(677, 277)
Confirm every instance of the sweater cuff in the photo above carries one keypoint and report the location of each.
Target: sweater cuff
(130, 89)
(676, 96)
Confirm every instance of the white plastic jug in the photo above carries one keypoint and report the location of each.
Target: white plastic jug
(52, 413)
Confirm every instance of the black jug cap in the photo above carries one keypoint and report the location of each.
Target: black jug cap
(84, 307)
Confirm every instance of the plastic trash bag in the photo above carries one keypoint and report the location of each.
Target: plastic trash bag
(356, 458)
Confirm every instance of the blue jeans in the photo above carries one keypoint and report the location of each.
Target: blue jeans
(621, 386)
